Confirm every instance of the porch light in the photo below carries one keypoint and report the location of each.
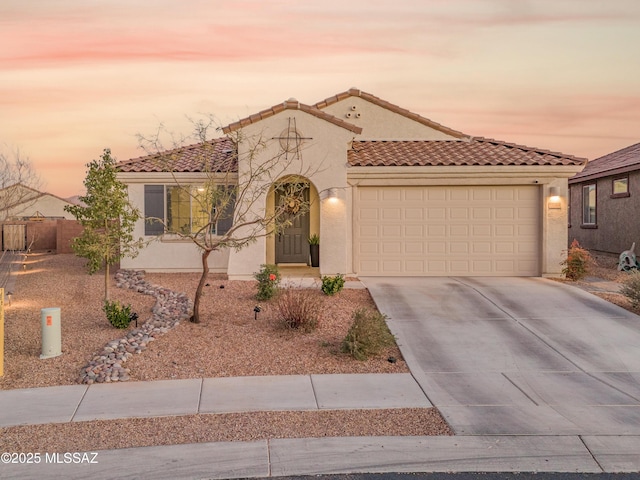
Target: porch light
(554, 198)
(333, 193)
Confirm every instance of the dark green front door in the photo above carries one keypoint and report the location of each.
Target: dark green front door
(292, 244)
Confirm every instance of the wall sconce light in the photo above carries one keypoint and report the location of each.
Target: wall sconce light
(332, 193)
(554, 198)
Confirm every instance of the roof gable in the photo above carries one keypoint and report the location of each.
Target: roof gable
(620, 161)
(354, 92)
(476, 152)
(291, 104)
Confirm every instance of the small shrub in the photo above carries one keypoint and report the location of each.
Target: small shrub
(368, 335)
(299, 308)
(578, 262)
(631, 288)
(332, 285)
(268, 280)
(118, 315)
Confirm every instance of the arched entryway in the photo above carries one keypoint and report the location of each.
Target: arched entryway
(291, 245)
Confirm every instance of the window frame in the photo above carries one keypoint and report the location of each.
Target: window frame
(613, 185)
(587, 198)
(151, 228)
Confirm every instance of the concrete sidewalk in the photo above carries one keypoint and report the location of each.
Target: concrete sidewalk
(280, 457)
(107, 401)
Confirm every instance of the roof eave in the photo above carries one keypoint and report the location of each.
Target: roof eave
(605, 173)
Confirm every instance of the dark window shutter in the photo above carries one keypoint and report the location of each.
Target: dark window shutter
(225, 220)
(153, 209)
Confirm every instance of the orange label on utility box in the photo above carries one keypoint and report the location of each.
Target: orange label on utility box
(49, 320)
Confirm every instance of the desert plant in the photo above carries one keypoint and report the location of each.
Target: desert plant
(314, 239)
(368, 334)
(631, 288)
(118, 315)
(332, 285)
(299, 308)
(578, 262)
(268, 280)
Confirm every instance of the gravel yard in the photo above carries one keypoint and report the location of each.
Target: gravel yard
(228, 342)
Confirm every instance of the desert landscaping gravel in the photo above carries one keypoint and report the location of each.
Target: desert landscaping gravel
(229, 341)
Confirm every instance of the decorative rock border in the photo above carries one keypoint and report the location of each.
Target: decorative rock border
(169, 309)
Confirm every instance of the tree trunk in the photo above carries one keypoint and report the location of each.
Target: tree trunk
(106, 281)
(203, 279)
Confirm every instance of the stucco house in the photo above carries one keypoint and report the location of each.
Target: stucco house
(392, 193)
(605, 201)
(23, 203)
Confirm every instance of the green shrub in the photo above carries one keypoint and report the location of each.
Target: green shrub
(368, 335)
(299, 308)
(268, 280)
(332, 285)
(578, 262)
(631, 288)
(118, 315)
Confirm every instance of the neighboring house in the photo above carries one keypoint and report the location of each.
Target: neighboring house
(605, 202)
(393, 194)
(19, 202)
(36, 220)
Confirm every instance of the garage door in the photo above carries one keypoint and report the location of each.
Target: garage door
(449, 230)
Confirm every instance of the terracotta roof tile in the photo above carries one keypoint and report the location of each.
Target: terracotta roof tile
(475, 152)
(290, 104)
(217, 155)
(620, 161)
(354, 92)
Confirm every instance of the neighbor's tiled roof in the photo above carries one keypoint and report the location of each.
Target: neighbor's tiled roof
(219, 153)
(291, 104)
(620, 161)
(475, 152)
(354, 92)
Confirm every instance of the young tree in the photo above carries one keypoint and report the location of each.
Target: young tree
(107, 217)
(18, 182)
(230, 201)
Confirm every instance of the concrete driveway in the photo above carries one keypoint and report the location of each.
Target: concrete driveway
(517, 356)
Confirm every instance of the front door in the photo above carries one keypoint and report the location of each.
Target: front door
(292, 244)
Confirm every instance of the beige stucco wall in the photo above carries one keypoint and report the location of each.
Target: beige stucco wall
(381, 124)
(323, 160)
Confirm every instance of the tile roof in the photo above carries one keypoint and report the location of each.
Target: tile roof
(291, 104)
(219, 152)
(354, 92)
(474, 152)
(620, 161)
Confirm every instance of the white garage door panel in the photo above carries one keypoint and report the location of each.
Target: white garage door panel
(475, 230)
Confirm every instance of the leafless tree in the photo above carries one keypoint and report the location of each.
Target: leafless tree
(19, 182)
(231, 196)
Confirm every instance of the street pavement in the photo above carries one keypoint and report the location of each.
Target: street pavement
(532, 375)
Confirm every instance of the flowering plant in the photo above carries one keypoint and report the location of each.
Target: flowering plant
(268, 279)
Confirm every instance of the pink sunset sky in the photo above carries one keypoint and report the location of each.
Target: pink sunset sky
(77, 76)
